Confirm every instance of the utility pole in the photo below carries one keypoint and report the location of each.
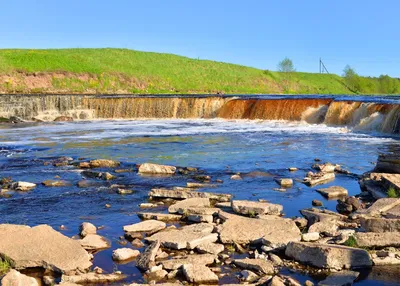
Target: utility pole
(322, 67)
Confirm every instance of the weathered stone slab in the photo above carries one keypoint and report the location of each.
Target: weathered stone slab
(94, 242)
(212, 248)
(148, 168)
(199, 274)
(333, 192)
(200, 185)
(188, 236)
(181, 206)
(380, 224)
(377, 240)
(195, 259)
(392, 213)
(147, 258)
(259, 265)
(184, 194)
(103, 163)
(122, 254)
(285, 182)
(315, 215)
(256, 208)
(389, 163)
(56, 183)
(380, 206)
(41, 246)
(23, 186)
(159, 216)
(328, 256)
(318, 178)
(243, 230)
(325, 168)
(342, 278)
(147, 226)
(93, 278)
(15, 278)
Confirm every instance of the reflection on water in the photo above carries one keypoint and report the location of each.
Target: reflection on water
(261, 150)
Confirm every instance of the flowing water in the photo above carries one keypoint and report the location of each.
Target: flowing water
(258, 137)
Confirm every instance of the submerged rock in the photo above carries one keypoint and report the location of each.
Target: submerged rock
(148, 168)
(342, 278)
(328, 256)
(63, 118)
(43, 247)
(256, 208)
(333, 192)
(54, 183)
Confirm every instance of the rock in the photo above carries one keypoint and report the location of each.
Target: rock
(328, 256)
(122, 171)
(107, 176)
(380, 224)
(342, 278)
(63, 118)
(187, 237)
(258, 265)
(277, 281)
(317, 215)
(281, 280)
(200, 185)
(344, 208)
(124, 191)
(380, 206)
(275, 259)
(292, 169)
(49, 280)
(22, 186)
(148, 168)
(147, 226)
(195, 259)
(243, 230)
(157, 275)
(147, 205)
(122, 254)
(15, 278)
(285, 182)
(308, 283)
(94, 242)
(325, 168)
(317, 203)
(248, 276)
(183, 194)
(212, 248)
(93, 277)
(300, 222)
(84, 165)
(42, 247)
(388, 163)
(329, 228)
(354, 202)
(137, 243)
(146, 259)
(318, 178)
(256, 208)
(87, 228)
(181, 206)
(310, 236)
(377, 240)
(200, 218)
(103, 163)
(236, 177)
(15, 119)
(160, 216)
(333, 192)
(53, 183)
(199, 274)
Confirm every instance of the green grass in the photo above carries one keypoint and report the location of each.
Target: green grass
(5, 265)
(122, 70)
(393, 193)
(351, 242)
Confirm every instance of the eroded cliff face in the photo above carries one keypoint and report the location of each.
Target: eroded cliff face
(357, 115)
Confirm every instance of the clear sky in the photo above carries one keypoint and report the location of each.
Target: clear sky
(362, 33)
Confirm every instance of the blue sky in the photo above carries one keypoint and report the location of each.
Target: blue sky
(362, 33)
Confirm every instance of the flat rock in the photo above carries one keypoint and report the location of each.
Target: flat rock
(256, 208)
(187, 194)
(94, 242)
(258, 265)
(380, 206)
(318, 178)
(147, 226)
(212, 248)
(243, 230)
(328, 256)
(333, 192)
(377, 240)
(310, 236)
(199, 274)
(122, 254)
(380, 224)
(56, 183)
(15, 278)
(103, 163)
(195, 259)
(159, 216)
(342, 278)
(285, 182)
(22, 186)
(200, 185)
(315, 215)
(93, 278)
(187, 237)
(389, 163)
(181, 206)
(43, 247)
(148, 168)
(147, 258)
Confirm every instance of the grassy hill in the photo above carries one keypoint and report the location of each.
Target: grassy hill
(125, 71)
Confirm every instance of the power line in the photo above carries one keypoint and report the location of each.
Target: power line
(322, 67)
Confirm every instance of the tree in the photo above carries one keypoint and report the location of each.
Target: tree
(286, 66)
(352, 79)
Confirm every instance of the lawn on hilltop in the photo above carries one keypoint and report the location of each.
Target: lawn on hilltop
(122, 71)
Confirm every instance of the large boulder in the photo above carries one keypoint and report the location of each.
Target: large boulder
(43, 247)
(377, 240)
(148, 168)
(256, 208)
(328, 256)
(273, 230)
(15, 278)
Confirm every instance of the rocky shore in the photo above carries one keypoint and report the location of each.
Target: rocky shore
(198, 237)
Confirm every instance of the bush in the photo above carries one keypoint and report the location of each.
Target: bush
(392, 193)
(351, 242)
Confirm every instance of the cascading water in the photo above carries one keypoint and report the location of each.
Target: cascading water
(353, 114)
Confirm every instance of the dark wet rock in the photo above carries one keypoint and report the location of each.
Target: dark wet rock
(342, 278)
(148, 168)
(317, 203)
(199, 274)
(328, 256)
(333, 192)
(87, 228)
(344, 208)
(103, 163)
(93, 278)
(107, 176)
(88, 184)
(147, 259)
(388, 163)
(56, 183)
(184, 194)
(63, 119)
(252, 208)
(258, 265)
(43, 247)
(202, 178)
(16, 119)
(354, 202)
